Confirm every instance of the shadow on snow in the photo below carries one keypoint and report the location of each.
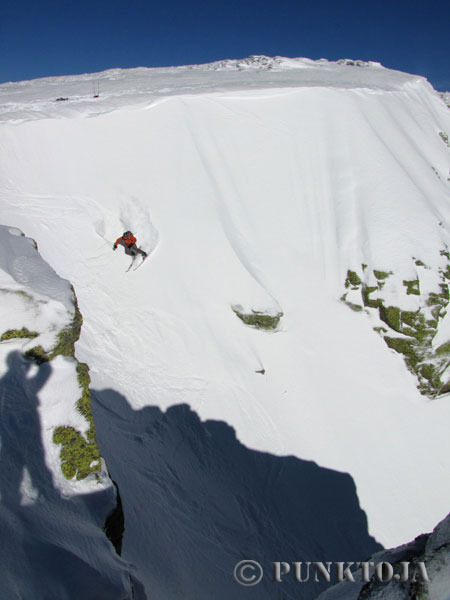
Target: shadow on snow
(53, 548)
(197, 501)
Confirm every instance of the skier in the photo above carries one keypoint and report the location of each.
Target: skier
(128, 241)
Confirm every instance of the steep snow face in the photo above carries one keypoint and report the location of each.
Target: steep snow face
(56, 547)
(259, 188)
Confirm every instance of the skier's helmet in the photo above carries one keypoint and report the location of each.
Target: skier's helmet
(127, 233)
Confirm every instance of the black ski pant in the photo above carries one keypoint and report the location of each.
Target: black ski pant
(132, 249)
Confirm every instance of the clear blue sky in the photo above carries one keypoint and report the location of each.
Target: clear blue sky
(41, 38)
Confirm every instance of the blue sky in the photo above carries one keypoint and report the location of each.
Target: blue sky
(41, 38)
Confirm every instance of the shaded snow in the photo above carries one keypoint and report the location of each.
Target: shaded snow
(205, 502)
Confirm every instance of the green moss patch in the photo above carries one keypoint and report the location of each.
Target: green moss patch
(18, 293)
(391, 316)
(38, 355)
(446, 272)
(443, 350)
(380, 277)
(258, 319)
(411, 333)
(412, 287)
(352, 305)
(405, 346)
(381, 274)
(366, 291)
(355, 307)
(444, 138)
(80, 455)
(69, 335)
(18, 333)
(352, 280)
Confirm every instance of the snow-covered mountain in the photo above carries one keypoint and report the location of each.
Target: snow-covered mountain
(271, 383)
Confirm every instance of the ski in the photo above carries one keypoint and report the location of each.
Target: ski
(131, 264)
(140, 263)
(133, 261)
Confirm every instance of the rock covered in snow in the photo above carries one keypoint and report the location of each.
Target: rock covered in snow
(53, 545)
(427, 574)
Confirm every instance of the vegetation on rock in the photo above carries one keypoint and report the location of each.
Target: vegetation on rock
(18, 333)
(258, 319)
(80, 455)
(410, 333)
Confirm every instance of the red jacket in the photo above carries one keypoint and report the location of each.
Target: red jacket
(128, 239)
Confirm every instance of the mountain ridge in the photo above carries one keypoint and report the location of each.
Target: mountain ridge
(113, 89)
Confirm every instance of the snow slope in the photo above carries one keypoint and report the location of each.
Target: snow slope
(257, 183)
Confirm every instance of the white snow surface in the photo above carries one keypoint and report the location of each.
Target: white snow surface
(19, 260)
(257, 183)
